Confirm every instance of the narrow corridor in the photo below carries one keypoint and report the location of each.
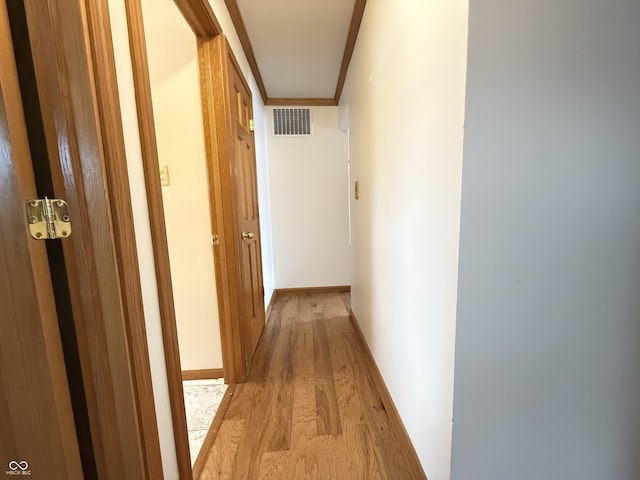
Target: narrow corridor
(311, 408)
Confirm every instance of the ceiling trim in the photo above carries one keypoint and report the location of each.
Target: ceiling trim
(200, 17)
(354, 28)
(238, 23)
(301, 102)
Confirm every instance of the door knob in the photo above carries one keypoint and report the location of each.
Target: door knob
(247, 235)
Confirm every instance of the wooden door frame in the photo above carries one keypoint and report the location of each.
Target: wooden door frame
(151, 167)
(80, 108)
(205, 26)
(213, 50)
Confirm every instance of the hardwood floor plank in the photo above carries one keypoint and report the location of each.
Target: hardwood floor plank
(324, 459)
(362, 445)
(275, 466)
(246, 397)
(328, 418)
(222, 455)
(280, 376)
(214, 429)
(278, 436)
(261, 361)
(304, 415)
(311, 408)
(393, 459)
(305, 362)
(304, 421)
(253, 439)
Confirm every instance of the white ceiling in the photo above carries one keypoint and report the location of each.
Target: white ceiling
(298, 44)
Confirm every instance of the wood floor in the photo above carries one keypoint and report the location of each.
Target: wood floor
(312, 408)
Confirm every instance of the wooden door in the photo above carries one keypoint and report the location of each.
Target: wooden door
(227, 111)
(246, 185)
(37, 431)
(67, 74)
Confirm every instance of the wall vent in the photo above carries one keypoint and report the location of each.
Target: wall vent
(291, 122)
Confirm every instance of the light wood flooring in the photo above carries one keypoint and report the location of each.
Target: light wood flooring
(313, 406)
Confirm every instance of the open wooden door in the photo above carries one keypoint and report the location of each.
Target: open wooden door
(37, 431)
(246, 186)
(228, 119)
(66, 83)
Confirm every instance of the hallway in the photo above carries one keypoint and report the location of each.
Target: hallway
(311, 408)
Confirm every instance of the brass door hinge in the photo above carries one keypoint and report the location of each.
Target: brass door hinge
(48, 219)
(251, 125)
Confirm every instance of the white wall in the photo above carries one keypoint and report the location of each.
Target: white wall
(143, 237)
(405, 93)
(175, 89)
(548, 345)
(309, 201)
(140, 210)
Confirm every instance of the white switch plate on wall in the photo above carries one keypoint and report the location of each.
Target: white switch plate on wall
(164, 175)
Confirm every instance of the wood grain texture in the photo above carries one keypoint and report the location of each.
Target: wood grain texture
(149, 150)
(214, 429)
(241, 161)
(238, 23)
(220, 80)
(203, 374)
(211, 79)
(108, 102)
(310, 290)
(354, 28)
(301, 102)
(327, 418)
(314, 406)
(200, 17)
(67, 44)
(36, 417)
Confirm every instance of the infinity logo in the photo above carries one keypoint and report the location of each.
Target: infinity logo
(23, 465)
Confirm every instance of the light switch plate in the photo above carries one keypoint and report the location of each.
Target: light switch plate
(164, 175)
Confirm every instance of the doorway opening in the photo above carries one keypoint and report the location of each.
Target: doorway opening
(185, 191)
(226, 212)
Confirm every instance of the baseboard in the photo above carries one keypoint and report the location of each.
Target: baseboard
(310, 290)
(267, 313)
(385, 395)
(209, 440)
(206, 374)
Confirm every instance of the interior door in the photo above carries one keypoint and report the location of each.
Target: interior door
(228, 114)
(37, 431)
(246, 184)
(65, 69)
(231, 161)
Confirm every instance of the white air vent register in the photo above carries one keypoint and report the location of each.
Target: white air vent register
(291, 121)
